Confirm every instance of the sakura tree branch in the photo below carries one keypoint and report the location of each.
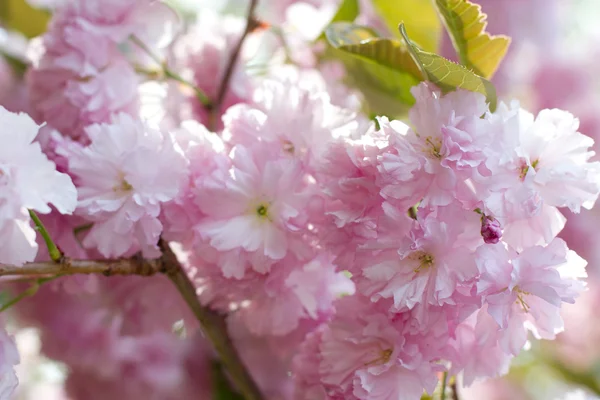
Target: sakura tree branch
(454, 388)
(216, 106)
(213, 326)
(129, 266)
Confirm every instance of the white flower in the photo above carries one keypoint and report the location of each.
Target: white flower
(28, 180)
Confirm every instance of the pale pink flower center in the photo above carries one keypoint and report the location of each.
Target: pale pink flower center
(382, 357)
(122, 186)
(525, 168)
(262, 210)
(521, 298)
(425, 261)
(432, 147)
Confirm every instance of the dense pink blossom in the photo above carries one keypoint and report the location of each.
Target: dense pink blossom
(343, 254)
(297, 120)
(432, 162)
(261, 198)
(284, 298)
(426, 269)
(28, 180)
(530, 286)
(538, 165)
(143, 168)
(477, 350)
(364, 356)
(81, 76)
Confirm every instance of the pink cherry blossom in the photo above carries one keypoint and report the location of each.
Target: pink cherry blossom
(477, 351)
(433, 162)
(426, 269)
(205, 154)
(538, 165)
(116, 20)
(28, 180)
(261, 198)
(342, 254)
(284, 298)
(363, 356)
(298, 121)
(529, 287)
(143, 168)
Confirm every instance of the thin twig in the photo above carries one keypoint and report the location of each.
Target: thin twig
(212, 323)
(129, 266)
(444, 384)
(30, 291)
(216, 107)
(213, 326)
(169, 73)
(454, 389)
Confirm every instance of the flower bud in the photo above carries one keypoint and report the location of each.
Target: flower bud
(490, 229)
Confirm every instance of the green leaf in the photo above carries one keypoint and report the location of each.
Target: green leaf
(364, 43)
(19, 16)
(476, 49)
(381, 68)
(419, 16)
(447, 75)
(348, 11)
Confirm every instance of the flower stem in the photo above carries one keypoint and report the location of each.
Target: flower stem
(213, 326)
(30, 291)
(169, 73)
(53, 250)
(444, 384)
(454, 388)
(250, 24)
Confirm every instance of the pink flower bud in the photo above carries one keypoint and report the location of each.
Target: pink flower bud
(490, 230)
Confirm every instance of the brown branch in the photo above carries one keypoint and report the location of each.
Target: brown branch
(215, 108)
(213, 326)
(66, 266)
(212, 323)
(454, 389)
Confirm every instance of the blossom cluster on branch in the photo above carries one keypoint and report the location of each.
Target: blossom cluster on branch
(351, 257)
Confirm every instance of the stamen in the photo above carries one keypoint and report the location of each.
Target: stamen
(425, 260)
(384, 357)
(262, 211)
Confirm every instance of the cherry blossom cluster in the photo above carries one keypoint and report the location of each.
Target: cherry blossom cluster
(355, 258)
(458, 287)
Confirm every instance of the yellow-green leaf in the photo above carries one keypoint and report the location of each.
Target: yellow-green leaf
(447, 75)
(419, 16)
(381, 68)
(364, 43)
(19, 16)
(348, 11)
(477, 49)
